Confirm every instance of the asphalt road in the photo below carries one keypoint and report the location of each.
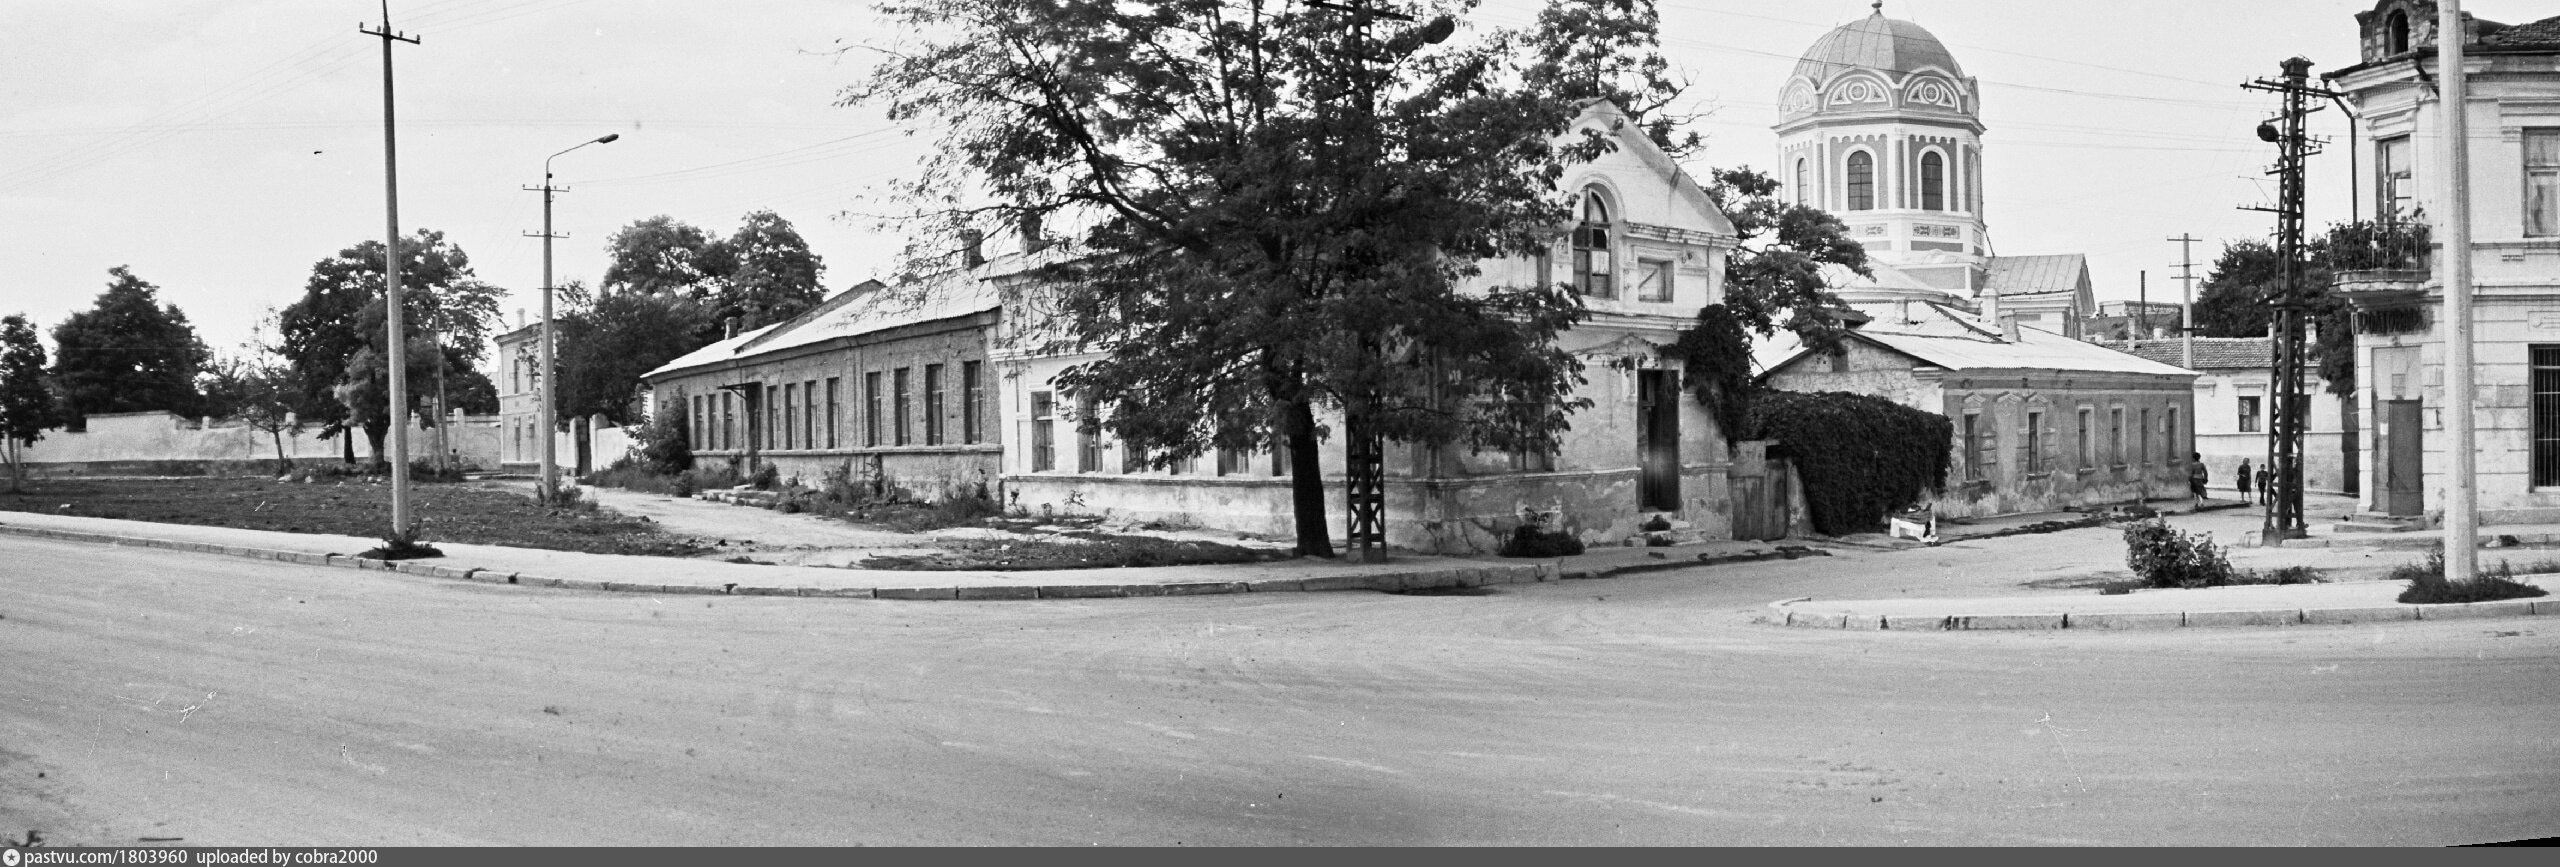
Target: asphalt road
(148, 694)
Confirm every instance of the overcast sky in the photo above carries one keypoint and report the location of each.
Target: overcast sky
(220, 148)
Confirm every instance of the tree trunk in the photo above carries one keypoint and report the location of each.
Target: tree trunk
(373, 436)
(347, 446)
(283, 464)
(1306, 483)
(17, 467)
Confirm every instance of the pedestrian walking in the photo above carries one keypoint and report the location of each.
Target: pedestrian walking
(2245, 480)
(2266, 487)
(2197, 476)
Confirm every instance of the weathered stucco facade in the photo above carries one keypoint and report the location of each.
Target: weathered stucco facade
(886, 386)
(1663, 260)
(2235, 408)
(2397, 288)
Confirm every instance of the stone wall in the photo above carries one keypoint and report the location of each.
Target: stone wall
(159, 443)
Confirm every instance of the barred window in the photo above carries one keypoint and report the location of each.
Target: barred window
(2546, 414)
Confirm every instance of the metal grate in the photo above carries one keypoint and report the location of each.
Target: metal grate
(2546, 414)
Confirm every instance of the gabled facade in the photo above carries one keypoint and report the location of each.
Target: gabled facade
(2397, 286)
(1649, 252)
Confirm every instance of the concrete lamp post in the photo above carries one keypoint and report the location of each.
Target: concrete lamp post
(546, 376)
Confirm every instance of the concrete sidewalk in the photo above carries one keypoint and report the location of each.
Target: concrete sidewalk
(525, 566)
(2254, 605)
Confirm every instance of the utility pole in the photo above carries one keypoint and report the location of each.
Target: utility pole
(2187, 311)
(2294, 148)
(2462, 506)
(2142, 306)
(548, 489)
(400, 528)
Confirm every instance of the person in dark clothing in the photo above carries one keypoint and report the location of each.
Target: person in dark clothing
(2197, 476)
(2245, 481)
(2266, 487)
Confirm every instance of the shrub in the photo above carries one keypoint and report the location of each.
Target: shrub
(663, 443)
(1860, 458)
(1529, 541)
(766, 477)
(2163, 556)
(632, 475)
(2286, 575)
(2427, 584)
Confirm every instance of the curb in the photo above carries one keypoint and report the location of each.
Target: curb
(1384, 582)
(1781, 613)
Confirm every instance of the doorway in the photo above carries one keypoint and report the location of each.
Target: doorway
(1658, 440)
(2401, 453)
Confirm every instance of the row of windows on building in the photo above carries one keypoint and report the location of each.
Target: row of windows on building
(1595, 262)
(2396, 191)
(1090, 447)
(1981, 443)
(810, 414)
(1862, 181)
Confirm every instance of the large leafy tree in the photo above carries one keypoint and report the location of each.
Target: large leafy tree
(664, 255)
(762, 274)
(128, 353)
(1281, 201)
(604, 349)
(1773, 279)
(2238, 293)
(772, 275)
(26, 403)
(340, 318)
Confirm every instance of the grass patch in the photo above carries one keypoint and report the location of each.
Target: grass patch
(470, 513)
(2427, 584)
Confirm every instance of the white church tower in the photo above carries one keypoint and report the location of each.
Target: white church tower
(1880, 127)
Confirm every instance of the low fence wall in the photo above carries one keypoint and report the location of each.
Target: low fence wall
(159, 443)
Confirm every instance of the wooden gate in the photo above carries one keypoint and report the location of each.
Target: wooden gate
(1763, 493)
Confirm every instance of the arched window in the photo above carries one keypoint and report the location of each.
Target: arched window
(1804, 185)
(1592, 264)
(1933, 182)
(1862, 182)
(2396, 32)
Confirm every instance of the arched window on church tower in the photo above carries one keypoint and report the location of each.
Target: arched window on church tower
(1592, 265)
(1933, 182)
(1804, 185)
(2396, 32)
(1862, 182)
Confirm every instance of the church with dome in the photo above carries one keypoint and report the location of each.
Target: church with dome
(1880, 127)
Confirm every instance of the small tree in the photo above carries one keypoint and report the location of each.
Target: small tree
(257, 387)
(26, 404)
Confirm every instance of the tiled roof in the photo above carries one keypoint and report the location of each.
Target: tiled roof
(2034, 275)
(1942, 337)
(2212, 353)
(2545, 32)
(868, 308)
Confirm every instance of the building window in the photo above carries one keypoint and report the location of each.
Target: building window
(1279, 457)
(2542, 182)
(933, 404)
(871, 407)
(1542, 267)
(695, 428)
(1088, 435)
(2546, 413)
(1230, 461)
(2088, 443)
(971, 395)
(809, 414)
(1181, 466)
(2142, 439)
(1933, 182)
(2169, 437)
(835, 416)
(772, 417)
(790, 414)
(2033, 459)
(1532, 457)
(2249, 415)
(1804, 182)
(728, 419)
(1653, 280)
(2395, 32)
(2393, 187)
(1593, 267)
(1043, 432)
(1977, 447)
(2115, 436)
(900, 385)
(1862, 182)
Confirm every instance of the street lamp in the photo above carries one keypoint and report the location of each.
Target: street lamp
(548, 375)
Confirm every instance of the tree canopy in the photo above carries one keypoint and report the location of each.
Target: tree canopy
(2249, 276)
(1279, 201)
(604, 349)
(128, 353)
(26, 403)
(335, 337)
(762, 274)
(1772, 279)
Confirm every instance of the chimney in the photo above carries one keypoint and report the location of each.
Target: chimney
(973, 252)
(1902, 312)
(519, 317)
(732, 324)
(1029, 225)
(2009, 327)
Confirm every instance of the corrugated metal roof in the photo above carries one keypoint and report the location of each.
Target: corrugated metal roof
(864, 309)
(1945, 338)
(2034, 275)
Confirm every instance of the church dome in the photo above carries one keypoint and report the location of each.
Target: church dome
(1876, 42)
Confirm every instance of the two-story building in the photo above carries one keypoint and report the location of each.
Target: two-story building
(2512, 111)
